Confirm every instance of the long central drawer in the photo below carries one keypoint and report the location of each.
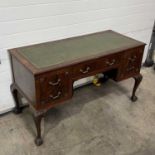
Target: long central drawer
(91, 67)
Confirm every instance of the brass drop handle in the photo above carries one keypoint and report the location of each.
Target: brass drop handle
(55, 83)
(85, 71)
(130, 69)
(132, 59)
(111, 63)
(56, 97)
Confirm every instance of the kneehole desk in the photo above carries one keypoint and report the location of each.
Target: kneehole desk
(44, 73)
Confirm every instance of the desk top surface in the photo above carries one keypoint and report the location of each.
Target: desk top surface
(67, 50)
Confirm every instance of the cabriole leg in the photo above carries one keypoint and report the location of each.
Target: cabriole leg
(138, 80)
(37, 120)
(15, 95)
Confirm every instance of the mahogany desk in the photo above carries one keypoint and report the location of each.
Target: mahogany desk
(44, 73)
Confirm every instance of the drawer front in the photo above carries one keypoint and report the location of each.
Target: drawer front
(95, 66)
(84, 69)
(133, 62)
(110, 61)
(54, 87)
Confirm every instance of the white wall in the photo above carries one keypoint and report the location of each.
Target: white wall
(27, 22)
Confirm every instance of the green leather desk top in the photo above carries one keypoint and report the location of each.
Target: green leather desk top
(52, 53)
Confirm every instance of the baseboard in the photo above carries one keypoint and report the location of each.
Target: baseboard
(6, 109)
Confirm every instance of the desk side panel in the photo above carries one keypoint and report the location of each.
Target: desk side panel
(23, 79)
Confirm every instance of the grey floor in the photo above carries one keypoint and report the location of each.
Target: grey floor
(97, 121)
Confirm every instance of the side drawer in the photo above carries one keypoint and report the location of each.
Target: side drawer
(133, 60)
(54, 87)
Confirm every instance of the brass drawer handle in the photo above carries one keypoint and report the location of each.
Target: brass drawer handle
(131, 68)
(54, 83)
(85, 71)
(56, 97)
(111, 63)
(132, 59)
